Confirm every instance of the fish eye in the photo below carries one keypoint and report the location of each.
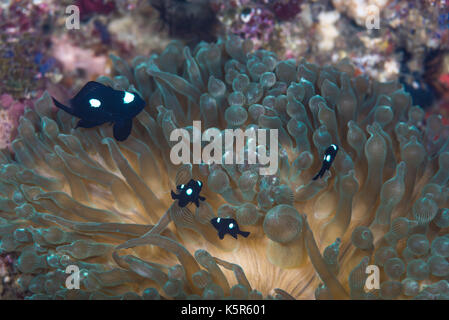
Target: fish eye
(231, 225)
(218, 220)
(129, 97)
(328, 158)
(199, 183)
(95, 103)
(334, 146)
(182, 186)
(189, 191)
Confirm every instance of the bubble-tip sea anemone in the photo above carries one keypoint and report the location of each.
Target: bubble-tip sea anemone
(78, 197)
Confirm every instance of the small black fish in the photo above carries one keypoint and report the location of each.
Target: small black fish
(96, 104)
(329, 156)
(189, 192)
(227, 226)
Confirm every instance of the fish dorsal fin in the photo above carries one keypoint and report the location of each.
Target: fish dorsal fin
(91, 86)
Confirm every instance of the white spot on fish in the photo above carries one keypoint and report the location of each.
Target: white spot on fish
(128, 98)
(231, 225)
(95, 103)
(189, 191)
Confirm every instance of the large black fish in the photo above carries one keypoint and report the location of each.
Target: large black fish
(227, 226)
(329, 156)
(188, 193)
(96, 104)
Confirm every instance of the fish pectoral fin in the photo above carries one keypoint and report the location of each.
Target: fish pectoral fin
(221, 234)
(174, 196)
(244, 234)
(234, 235)
(122, 129)
(83, 123)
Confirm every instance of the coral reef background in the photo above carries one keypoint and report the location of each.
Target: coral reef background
(310, 69)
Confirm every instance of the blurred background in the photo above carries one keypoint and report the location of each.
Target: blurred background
(406, 40)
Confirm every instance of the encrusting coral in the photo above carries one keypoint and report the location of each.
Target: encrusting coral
(78, 197)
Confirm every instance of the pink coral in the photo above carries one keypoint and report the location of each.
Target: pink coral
(10, 112)
(73, 57)
(286, 9)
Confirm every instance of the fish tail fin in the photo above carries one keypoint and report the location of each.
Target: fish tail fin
(63, 107)
(319, 174)
(174, 196)
(244, 234)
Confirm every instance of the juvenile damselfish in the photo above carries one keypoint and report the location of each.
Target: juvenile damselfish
(188, 193)
(329, 157)
(96, 104)
(227, 226)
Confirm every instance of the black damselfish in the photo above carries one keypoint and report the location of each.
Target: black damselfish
(96, 104)
(227, 226)
(188, 193)
(329, 156)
